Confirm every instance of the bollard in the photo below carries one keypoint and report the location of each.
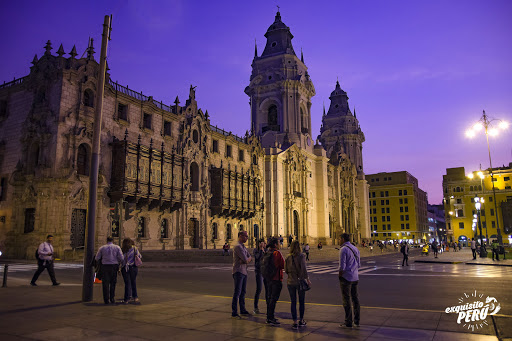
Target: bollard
(6, 269)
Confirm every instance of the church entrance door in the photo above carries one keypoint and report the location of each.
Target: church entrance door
(193, 231)
(78, 219)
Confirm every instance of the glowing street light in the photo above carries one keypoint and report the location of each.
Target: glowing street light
(489, 128)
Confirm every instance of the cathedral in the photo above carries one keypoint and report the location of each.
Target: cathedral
(168, 178)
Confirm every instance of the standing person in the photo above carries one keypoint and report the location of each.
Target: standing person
(455, 247)
(258, 253)
(434, 248)
(306, 251)
(225, 249)
(110, 256)
(130, 270)
(348, 275)
(241, 258)
(281, 241)
(473, 247)
(45, 259)
(295, 268)
(273, 265)
(405, 251)
(494, 249)
(290, 239)
(460, 245)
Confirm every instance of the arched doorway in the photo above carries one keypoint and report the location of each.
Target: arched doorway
(193, 231)
(296, 224)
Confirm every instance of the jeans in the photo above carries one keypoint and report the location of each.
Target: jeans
(293, 290)
(272, 296)
(239, 293)
(109, 281)
(349, 294)
(41, 265)
(474, 253)
(307, 255)
(259, 286)
(405, 260)
(130, 282)
(495, 251)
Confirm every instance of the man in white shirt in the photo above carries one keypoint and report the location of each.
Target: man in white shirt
(110, 256)
(45, 261)
(473, 247)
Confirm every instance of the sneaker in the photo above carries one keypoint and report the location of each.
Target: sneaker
(136, 300)
(273, 322)
(344, 325)
(56, 283)
(256, 311)
(33, 284)
(356, 325)
(302, 323)
(295, 326)
(124, 301)
(236, 317)
(245, 313)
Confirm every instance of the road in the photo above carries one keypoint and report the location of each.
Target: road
(383, 282)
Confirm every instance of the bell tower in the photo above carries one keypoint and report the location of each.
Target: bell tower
(280, 91)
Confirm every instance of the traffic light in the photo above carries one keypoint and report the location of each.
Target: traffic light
(128, 211)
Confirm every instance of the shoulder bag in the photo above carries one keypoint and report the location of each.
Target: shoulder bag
(136, 258)
(303, 284)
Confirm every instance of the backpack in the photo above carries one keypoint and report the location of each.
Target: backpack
(402, 249)
(268, 268)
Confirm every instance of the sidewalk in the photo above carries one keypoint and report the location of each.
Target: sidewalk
(463, 256)
(56, 313)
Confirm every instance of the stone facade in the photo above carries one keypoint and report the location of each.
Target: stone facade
(168, 178)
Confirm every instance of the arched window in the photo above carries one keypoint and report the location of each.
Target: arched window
(272, 116)
(164, 229)
(82, 160)
(141, 227)
(88, 98)
(194, 176)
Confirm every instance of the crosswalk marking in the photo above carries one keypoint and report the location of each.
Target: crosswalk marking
(20, 267)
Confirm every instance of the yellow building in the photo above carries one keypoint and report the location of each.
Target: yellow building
(461, 188)
(398, 207)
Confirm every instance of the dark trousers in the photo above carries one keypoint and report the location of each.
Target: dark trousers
(130, 282)
(109, 281)
(41, 265)
(307, 255)
(405, 260)
(350, 297)
(259, 288)
(474, 253)
(435, 251)
(293, 290)
(495, 251)
(272, 296)
(239, 293)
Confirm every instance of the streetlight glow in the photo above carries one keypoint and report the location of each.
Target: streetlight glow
(470, 133)
(478, 126)
(480, 174)
(470, 175)
(503, 125)
(493, 132)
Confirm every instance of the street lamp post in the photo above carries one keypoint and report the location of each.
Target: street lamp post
(478, 206)
(487, 124)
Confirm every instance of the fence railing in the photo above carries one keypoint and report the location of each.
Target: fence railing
(138, 95)
(13, 82)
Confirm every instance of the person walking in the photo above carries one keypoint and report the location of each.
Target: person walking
(494, 249)
(349, 265)
(290, 239)
(405, 251)
(434, 248)
(258, 254)
(273, 275)
(306, 251)
(473, 247)
(130, 270)
(110, 256)
(45, 257)
(241, 258)
(225, 249)
(295, 268)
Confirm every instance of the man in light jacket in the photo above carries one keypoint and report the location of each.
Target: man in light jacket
(349, 265)
(110, 256)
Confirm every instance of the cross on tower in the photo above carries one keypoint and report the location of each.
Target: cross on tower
(278, 8)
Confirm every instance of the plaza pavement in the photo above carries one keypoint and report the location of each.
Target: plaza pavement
(463, 256)
(56, 313)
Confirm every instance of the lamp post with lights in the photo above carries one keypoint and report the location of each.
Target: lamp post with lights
(478, 206)
(488, 125)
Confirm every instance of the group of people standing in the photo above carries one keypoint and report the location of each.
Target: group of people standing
(269, 269)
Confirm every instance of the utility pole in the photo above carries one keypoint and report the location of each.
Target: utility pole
(121, 220)
(88, 275)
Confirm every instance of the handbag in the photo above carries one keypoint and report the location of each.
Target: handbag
(303, 284)
(136, 258)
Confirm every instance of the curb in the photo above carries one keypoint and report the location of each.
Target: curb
(432, 261)
(509, 265)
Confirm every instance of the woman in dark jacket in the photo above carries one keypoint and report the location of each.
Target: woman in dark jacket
(130, 270)
(295, 268)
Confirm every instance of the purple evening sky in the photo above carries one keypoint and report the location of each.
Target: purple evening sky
(418, 72)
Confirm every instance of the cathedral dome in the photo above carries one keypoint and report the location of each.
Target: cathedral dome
(279, 39)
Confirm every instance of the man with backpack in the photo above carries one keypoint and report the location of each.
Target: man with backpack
(405, 251)
(272, 271)
(45, 257)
